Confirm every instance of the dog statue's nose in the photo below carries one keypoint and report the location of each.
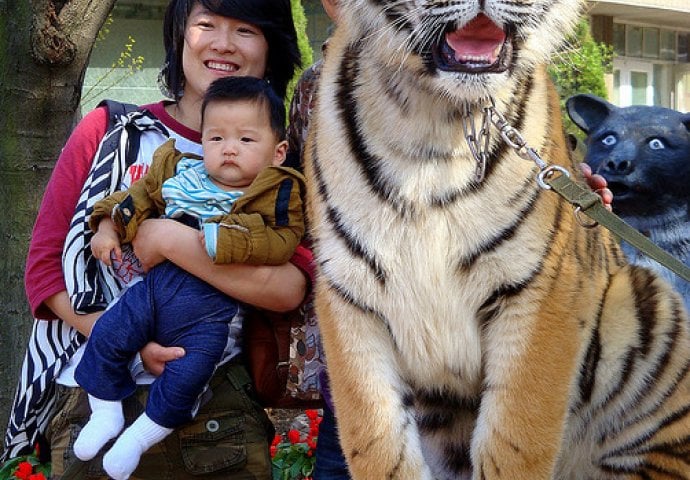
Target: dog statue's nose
(616, 166)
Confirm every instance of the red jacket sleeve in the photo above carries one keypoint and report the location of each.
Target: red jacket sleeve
(43, 275)
(304, 260)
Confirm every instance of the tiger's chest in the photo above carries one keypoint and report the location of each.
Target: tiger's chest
(414, 272)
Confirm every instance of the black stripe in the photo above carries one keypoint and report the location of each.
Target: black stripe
(349, 298)
(394, 14)
(282, 208)
(457, 457)
(639, 281)
(346, 99)
(645, 294)
(493, 305)
(590, 363)
(503, 236)
(355, 246)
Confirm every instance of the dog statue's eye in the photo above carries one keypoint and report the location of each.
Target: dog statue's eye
(656, 144)
(609, 140)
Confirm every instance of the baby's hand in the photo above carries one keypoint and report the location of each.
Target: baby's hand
(105, 242)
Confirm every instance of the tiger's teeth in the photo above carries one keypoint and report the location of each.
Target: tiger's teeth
(472, 59)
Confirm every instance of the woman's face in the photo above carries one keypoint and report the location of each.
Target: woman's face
(217, 46)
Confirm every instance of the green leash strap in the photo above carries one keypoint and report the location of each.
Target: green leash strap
(591, 205)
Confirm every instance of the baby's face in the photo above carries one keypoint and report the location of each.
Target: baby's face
(238, 143)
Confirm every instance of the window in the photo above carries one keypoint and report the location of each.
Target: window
(616, 87)
(638, 82)
(667, 45)
(683, 47)
(650, 46)
(650, 42)
(633, 41)
(619, 39)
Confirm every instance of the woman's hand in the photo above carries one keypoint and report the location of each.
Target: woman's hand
(598, 184)
(154, 356)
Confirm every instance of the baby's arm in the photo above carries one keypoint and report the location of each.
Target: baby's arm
(265, 225)
(105, 241)
(142, 200)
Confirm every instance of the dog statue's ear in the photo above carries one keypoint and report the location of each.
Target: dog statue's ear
(685, 120)
(588, 111)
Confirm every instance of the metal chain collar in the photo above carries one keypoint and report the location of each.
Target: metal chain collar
(479, 146)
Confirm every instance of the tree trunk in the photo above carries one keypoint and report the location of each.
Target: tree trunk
(44, 50)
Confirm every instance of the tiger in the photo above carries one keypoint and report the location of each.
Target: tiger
(473, 328)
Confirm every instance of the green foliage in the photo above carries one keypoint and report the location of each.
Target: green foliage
(126, 65)
(293, 461)
(579, 67)
(306, 52)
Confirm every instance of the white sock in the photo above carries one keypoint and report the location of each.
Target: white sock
(122, 459)
(105, 422)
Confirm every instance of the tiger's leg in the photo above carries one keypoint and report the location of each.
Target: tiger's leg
(633, 399)
(375, 415)
(529, 364)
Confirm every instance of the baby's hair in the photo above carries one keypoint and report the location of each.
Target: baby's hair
(251, 89)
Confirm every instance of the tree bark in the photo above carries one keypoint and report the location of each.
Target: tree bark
(44, 50)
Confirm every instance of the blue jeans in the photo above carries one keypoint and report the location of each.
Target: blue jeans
(330, 461)
(173, 308)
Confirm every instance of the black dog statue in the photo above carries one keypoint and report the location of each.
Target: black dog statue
(644, 154)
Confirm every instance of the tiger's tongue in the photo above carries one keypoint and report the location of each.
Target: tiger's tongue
(480, 40)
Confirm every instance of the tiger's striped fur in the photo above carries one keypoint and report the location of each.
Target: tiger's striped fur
(473, 329)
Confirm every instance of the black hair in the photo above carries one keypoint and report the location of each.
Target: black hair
(273, 17)
(250, 89)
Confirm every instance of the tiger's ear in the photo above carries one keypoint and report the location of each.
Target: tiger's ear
(588, 111)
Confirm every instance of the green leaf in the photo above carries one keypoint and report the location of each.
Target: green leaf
(10, 466)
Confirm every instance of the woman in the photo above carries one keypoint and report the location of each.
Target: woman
(204, 40)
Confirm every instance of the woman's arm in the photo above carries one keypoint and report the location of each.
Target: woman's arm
(43, 277)
(277, 288)
(61, 306)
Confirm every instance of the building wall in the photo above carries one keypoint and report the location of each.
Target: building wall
(651, 64)
(144, 23)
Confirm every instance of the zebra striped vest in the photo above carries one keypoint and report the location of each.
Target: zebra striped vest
(89, 284)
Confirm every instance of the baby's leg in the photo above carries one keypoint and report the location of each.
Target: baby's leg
(122, 459)
(103, 370)
(192, 315)
(106, 422)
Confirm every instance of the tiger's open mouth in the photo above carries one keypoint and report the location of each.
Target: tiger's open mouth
(480, 46)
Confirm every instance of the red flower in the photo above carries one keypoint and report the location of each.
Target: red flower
(24, 471)
(312, 414)
(277, 439)
(37, 476)
(273, 449)
(294, 436)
